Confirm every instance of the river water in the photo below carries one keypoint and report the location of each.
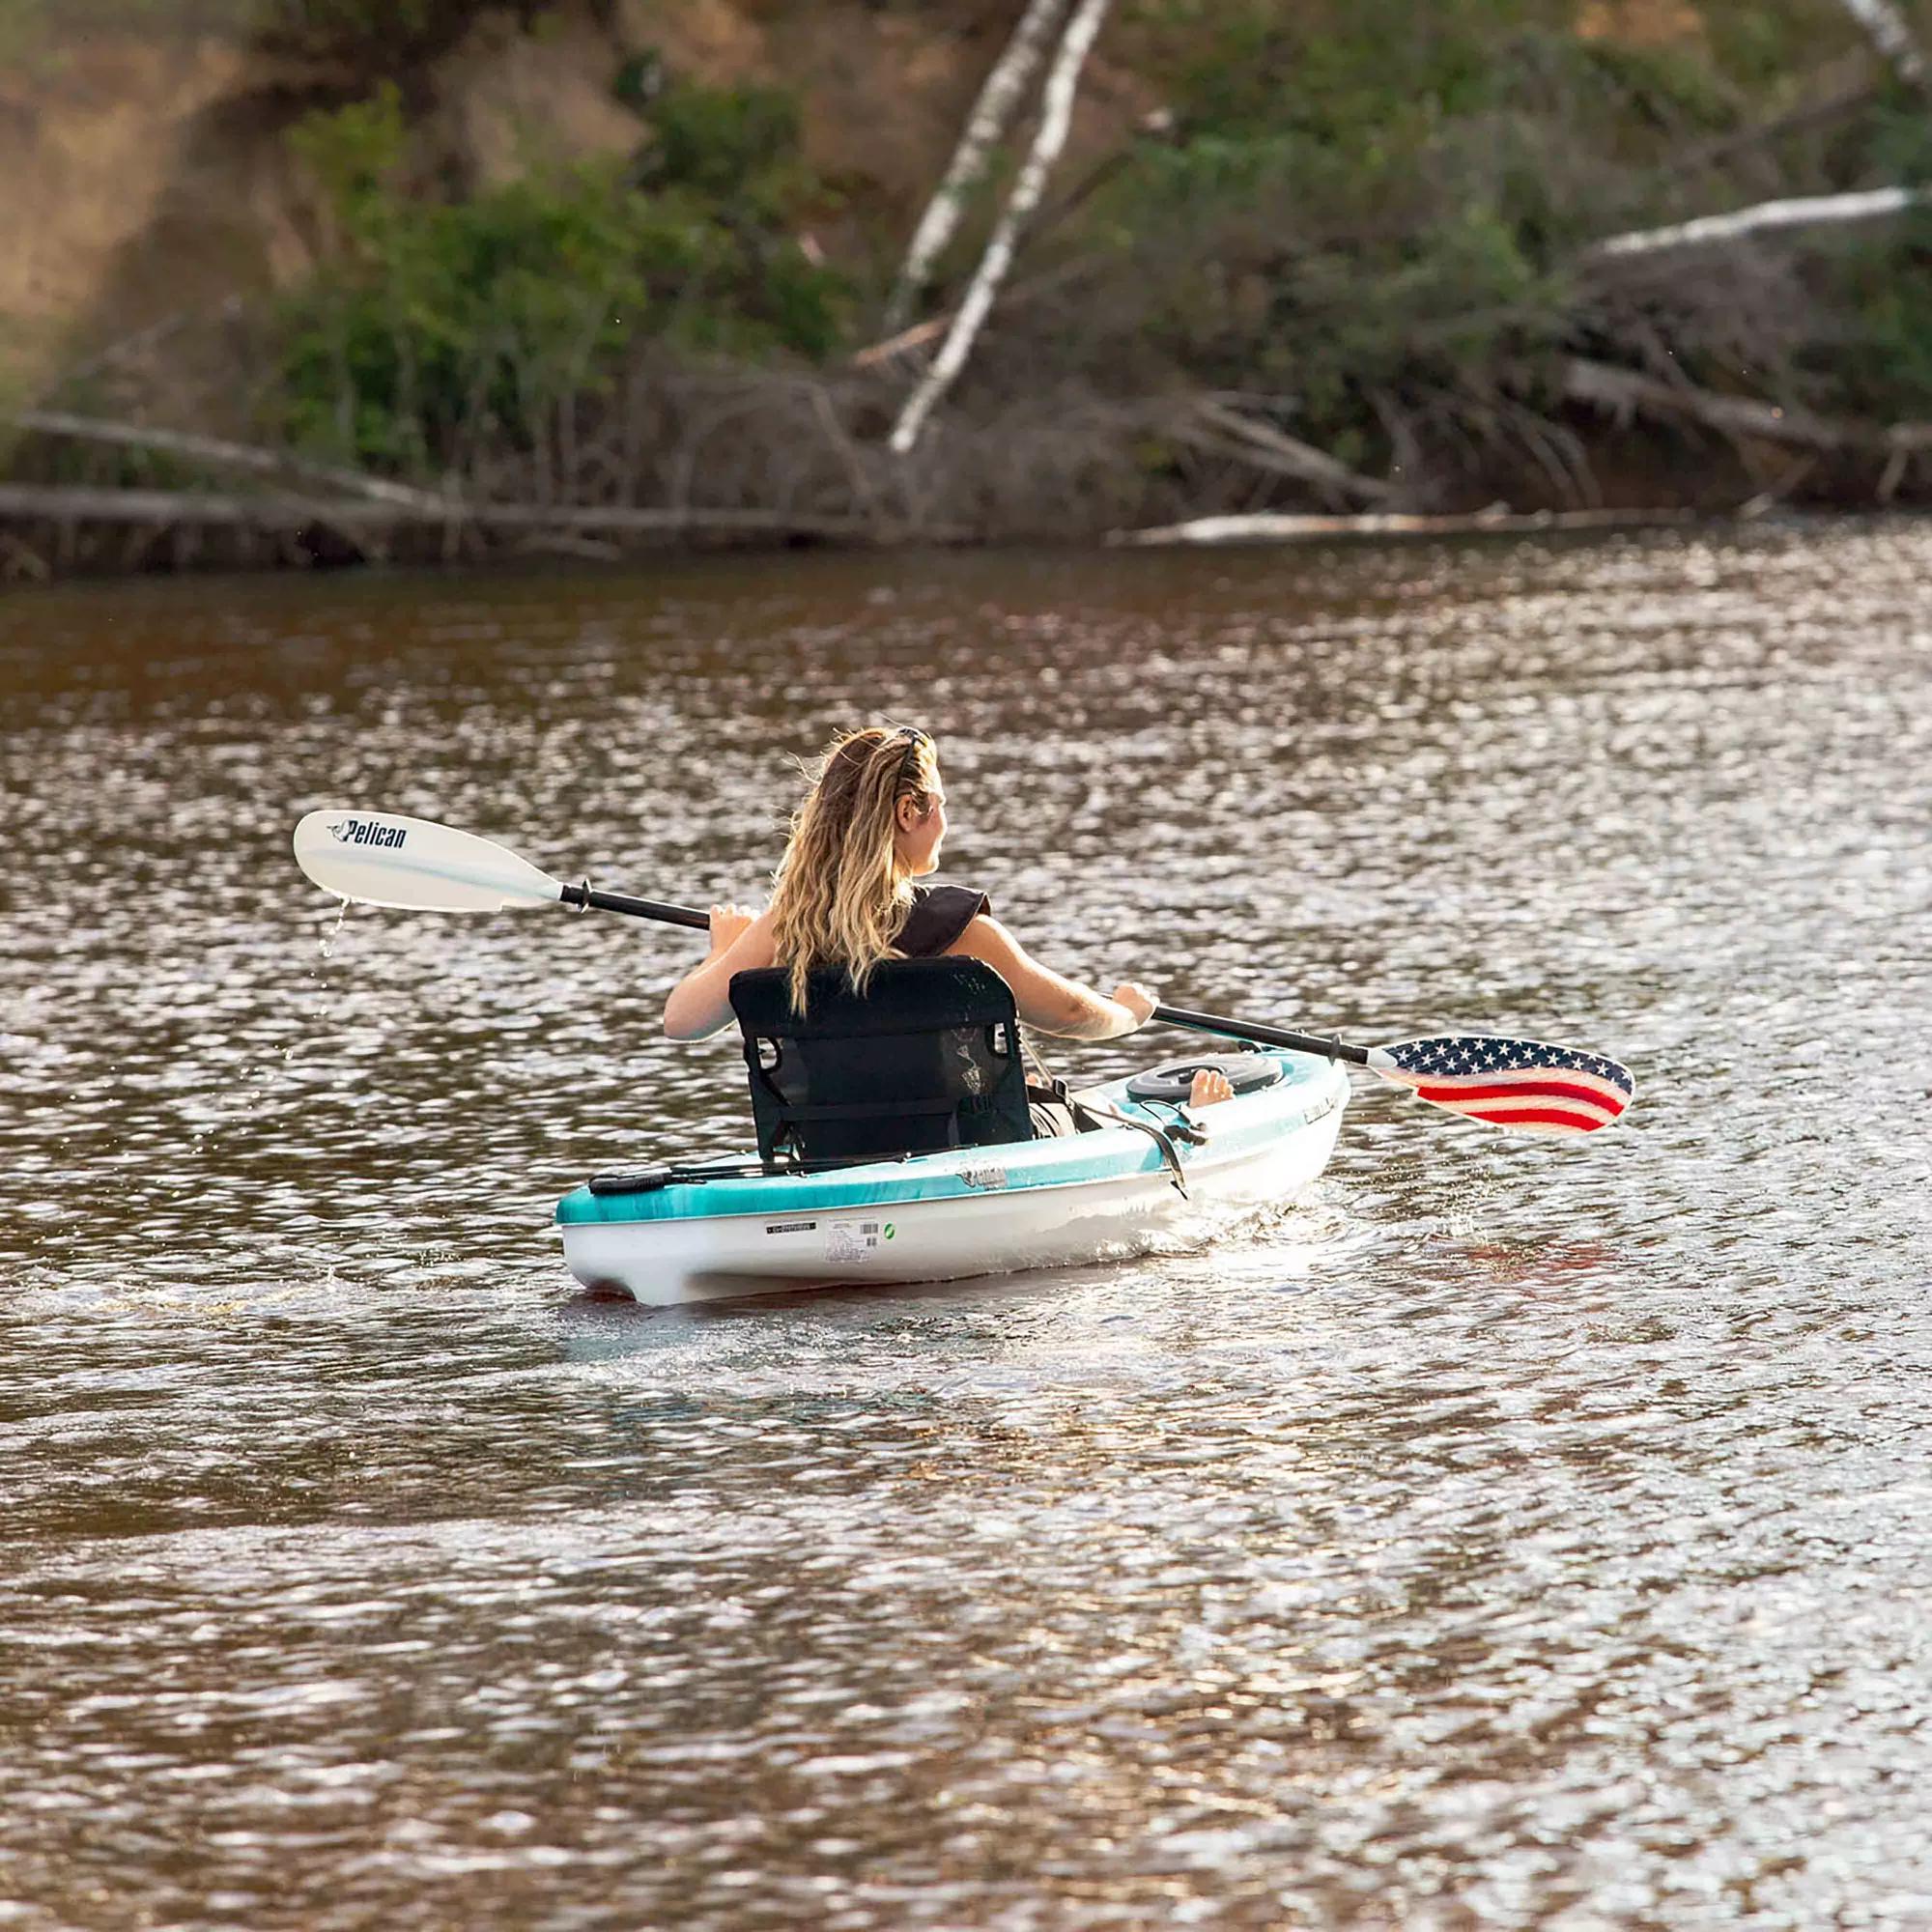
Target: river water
(1508, 1534)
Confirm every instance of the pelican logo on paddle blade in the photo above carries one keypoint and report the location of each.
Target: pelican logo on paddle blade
(366, 831)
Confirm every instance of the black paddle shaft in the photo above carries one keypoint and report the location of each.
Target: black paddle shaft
(1261, 1035)
(585, 897)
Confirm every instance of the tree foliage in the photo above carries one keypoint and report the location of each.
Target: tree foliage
(1373, 220)
(441, 331)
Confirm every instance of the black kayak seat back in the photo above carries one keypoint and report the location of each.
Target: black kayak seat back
(928, 1059)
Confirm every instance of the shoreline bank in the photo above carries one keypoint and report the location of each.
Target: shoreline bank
(235, 547)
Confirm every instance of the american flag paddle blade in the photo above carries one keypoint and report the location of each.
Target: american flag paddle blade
(1520, 1084)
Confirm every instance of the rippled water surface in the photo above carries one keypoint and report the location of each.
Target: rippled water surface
(1508, 1534)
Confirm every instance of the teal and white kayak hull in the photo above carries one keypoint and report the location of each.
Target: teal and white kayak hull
(1107, 1194)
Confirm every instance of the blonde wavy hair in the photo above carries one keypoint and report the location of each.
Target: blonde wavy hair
(839, 895)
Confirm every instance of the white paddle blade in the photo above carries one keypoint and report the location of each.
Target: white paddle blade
(1521, 1084)
(382, 859)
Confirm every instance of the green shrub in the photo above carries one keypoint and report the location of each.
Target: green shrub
(1369, 203)
(1874, 356)
(724, 141)
(1363, 202)
(447, 330)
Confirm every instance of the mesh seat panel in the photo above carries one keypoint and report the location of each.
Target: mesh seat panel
(928, 1059)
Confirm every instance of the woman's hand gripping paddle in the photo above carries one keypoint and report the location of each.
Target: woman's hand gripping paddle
(1522, 1084)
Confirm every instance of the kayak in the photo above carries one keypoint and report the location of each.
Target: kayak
(1151, 1174)
(1140, 1177)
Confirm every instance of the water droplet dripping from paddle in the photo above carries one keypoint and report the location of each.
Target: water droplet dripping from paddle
(328, 937)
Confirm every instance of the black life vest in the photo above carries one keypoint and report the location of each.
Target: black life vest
(939, 915)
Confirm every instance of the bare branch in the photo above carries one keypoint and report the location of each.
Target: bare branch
(1747, 420)
(1211, 425)
(1623, 393)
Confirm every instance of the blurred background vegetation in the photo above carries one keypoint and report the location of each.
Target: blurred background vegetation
(1364, 225)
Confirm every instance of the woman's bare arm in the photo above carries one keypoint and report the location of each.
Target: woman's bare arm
(701, 1002)
(1047, 1001)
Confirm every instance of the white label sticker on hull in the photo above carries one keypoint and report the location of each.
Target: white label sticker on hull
(856, 1242)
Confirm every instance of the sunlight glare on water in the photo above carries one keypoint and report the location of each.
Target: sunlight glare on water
(1507, 1533)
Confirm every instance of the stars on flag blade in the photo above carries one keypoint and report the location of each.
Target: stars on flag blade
(1522, 1084)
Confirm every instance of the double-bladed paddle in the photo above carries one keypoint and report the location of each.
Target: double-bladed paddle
(382, 859)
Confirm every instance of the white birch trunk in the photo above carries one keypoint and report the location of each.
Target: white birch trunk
(1886, 27)
(1807, 212)
(1063, 82)
(1000, 95)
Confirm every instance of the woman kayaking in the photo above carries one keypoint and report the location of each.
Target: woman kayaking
(871, 824)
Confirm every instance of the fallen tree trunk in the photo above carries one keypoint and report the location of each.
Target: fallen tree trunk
(999, 97)
(1766, 217)
(60, 502)
(1305, 530)
(225, 455)
(64, 504)
(1056, 118)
